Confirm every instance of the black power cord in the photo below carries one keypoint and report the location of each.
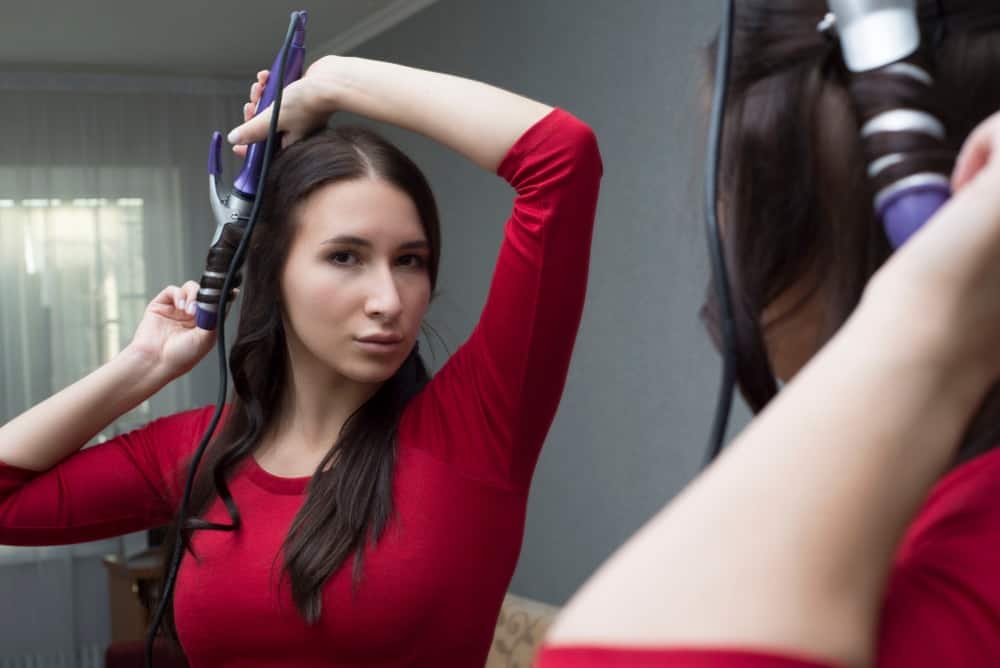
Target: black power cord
(175, 558)
(720, 274)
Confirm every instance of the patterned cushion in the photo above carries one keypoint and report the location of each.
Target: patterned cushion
(520, 629)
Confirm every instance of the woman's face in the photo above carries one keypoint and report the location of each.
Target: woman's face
(355, 286)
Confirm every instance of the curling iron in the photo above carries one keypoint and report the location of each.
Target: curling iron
(232, 211)
(236, 216)
(877, 34)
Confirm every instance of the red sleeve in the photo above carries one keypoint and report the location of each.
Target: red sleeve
(942, 603)
(129, 483)
(623, 657)
(489, 408)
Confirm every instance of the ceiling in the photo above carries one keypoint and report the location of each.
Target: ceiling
(203, 38)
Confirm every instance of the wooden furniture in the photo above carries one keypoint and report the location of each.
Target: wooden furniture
(134, 588)
(520, 631)
(134, 591)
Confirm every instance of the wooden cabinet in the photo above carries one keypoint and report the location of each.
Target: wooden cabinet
(134, 590)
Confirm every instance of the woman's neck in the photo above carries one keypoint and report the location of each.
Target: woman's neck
(316, 403)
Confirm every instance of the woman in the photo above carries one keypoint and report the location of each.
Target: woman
(813, 540)
(377, 516)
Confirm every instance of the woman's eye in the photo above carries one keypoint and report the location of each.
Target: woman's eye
(345, 258)
(413, 261)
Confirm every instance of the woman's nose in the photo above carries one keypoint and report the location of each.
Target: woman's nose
(383, 296)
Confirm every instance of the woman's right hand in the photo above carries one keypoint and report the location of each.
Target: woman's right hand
(167, 335)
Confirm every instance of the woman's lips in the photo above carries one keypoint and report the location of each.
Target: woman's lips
(379, 344)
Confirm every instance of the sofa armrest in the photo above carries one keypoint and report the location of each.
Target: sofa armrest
(521, 627)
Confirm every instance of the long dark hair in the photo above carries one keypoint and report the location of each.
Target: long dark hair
(796, 201)
(349, 502)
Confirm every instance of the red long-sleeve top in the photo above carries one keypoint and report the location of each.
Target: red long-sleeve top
(468, 443)
(941, 607)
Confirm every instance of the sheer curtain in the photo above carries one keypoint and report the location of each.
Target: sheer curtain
(103, 201)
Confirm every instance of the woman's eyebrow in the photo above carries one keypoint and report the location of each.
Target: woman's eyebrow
(348, 240)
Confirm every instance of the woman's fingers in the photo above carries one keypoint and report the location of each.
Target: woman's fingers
(184, 297)
(177, 298)
(252, 130)
(254, 127)
(165, 296)
(976, 153)
(190, 290)
(972, 159)
(257, 88)
(170, 301)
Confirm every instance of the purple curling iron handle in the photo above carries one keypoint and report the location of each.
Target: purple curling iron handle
(882, 36)
(232, 211)
(246, 182)
(907, 211)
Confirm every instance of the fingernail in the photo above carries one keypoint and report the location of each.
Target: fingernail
(181, 304)
(233, 137)
(191, 308)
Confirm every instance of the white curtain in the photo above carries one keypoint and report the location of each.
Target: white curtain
(103, 201)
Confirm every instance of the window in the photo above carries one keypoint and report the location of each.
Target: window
(78, 282)
(73, 292)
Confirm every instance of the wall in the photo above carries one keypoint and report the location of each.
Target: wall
(636, 414)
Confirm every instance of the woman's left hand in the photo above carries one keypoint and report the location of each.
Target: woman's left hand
(302, 111)
(478, 121)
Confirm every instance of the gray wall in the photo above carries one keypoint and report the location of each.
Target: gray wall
(633, 423)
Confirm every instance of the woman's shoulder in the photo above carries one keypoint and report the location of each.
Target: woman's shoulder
(182, 422)
(963, 506)
(174, 436)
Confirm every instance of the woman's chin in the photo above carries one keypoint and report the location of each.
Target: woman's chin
(371, 371)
